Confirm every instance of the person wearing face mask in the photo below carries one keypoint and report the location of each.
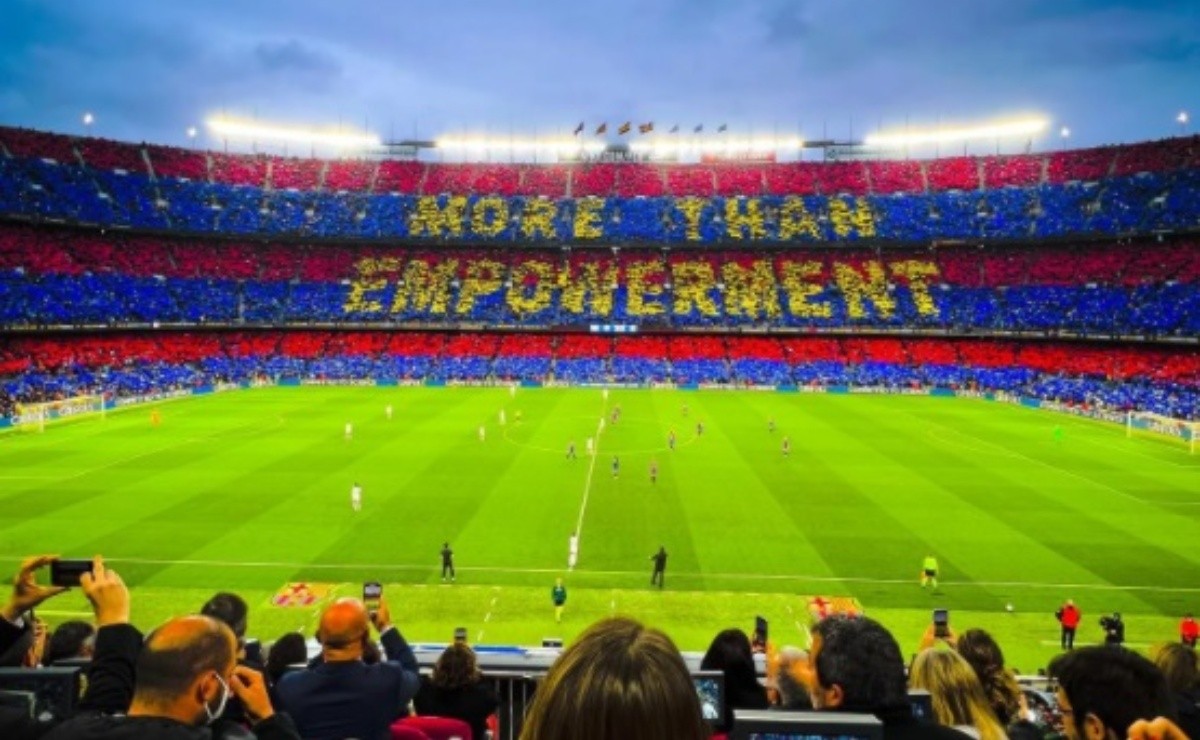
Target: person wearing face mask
(340, 695)
(184, 676)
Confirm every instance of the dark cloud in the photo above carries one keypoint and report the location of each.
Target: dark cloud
(293, 56)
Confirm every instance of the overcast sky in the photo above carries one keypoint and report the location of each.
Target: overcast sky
(1111, 70)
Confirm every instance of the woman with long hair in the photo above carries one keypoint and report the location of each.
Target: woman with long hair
(456, 689)
(999, 684)
(957, 694)
(730, 653)
(619, 681)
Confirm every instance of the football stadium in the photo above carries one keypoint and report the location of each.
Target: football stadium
(708, 382)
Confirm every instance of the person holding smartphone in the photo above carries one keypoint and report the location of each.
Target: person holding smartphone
(341, 695)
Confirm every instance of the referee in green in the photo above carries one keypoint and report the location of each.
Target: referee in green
(929, 571)
(558, 595)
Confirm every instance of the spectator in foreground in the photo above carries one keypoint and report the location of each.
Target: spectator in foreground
(730, 653)
(957, 694)
(618, 681)
(232, 611)
(1102, 691)
(1181, 668)
(856, 666)
(456, 689)
(185, 673)
(71, 641)
(999, 684)
(288, 652)
(788, 668)
(341, 696)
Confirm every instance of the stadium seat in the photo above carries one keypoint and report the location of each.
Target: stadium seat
(435, 728)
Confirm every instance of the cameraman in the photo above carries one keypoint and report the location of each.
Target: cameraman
(1114, 629)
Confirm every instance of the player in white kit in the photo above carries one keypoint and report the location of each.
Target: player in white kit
(349, 430)
(356, 497)
(572, 551)
(388, 412)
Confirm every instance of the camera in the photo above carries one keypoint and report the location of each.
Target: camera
(1114, 629)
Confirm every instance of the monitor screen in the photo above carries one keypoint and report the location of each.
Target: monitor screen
(56, 690)
(24, 702)
(759, 725)
(710, 688)
(922, 704)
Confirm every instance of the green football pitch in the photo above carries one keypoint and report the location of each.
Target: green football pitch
(250, 491)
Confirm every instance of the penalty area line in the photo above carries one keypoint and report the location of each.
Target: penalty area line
(639, 574)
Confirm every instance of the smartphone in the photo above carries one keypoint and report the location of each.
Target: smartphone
(67, 572)
(460, 635)
(760, 631)
(941, 623)
(372, 593)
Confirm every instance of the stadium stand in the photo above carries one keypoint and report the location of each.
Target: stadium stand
(1068, 276)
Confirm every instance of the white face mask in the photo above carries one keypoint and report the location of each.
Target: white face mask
(214, 714)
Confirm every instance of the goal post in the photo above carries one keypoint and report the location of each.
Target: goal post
(35, 416)
(1187, 432)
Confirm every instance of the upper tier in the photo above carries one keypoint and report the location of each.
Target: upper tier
(1113, 190)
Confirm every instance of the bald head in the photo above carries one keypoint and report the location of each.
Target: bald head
(178, 653)
(344, 624)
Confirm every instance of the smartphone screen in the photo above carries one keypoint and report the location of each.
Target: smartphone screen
(67, 572)
(460, 635)
(941, 623)
(372, 593)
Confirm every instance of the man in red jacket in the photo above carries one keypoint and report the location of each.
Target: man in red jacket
(1068, 616)
(1189, 630)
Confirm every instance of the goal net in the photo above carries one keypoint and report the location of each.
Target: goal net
(35, 416)
(1187, 432)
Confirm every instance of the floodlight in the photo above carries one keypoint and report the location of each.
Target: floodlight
(997, 130)
(191, 132)
(88, 119)
(1065, 132)
(248, 130)
(1182, 117)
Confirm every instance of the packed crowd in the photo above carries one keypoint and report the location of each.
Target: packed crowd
(1114, 191)
(198, 676)
(66, 277)
(1162, 379)
(558, 181)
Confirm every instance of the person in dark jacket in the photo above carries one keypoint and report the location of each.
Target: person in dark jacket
(857, 667)
(456, 690)
(340, 696)
(730, 653)
(233, 611)
(184, 675)
(1114, 629)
